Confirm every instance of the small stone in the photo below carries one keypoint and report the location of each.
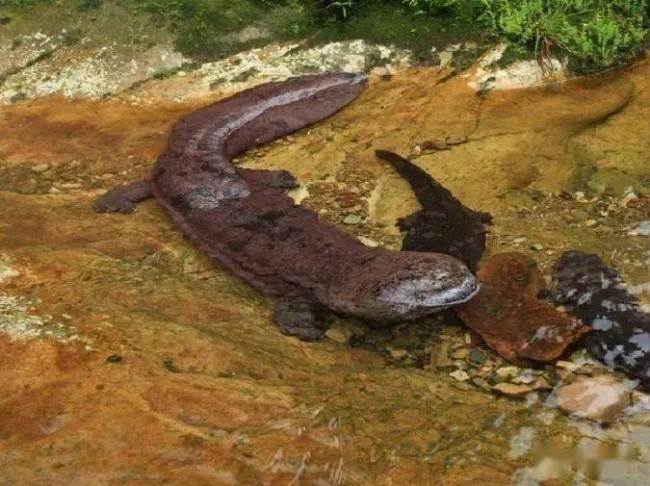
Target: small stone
(507, 372)
(537, 247)
(481, 383)
(40, 168)
(642, 229)
(601, 398)
(339, 334)
(567, 365)
(519, 241)
(590, 223)
(459, 375)
(28, 187)
(352, 219)
(461, 364)
(417, 150)
(511, 389)
(542, 384)
(440, 356)
(460, 353)
(69, 185)
(477, 357)
(398, 353)
(370, 243)
(526, 378)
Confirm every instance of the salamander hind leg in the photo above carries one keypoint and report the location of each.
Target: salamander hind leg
(299, 318)
(123, 199)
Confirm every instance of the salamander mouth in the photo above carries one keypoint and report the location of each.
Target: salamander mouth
(459, 295)
(421, 297)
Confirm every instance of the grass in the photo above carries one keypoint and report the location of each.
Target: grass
(595, 34)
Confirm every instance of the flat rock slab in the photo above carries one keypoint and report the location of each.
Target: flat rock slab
(511, 319)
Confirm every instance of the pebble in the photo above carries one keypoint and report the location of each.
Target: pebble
(28, 187)
(40, 168)
(369, 242)
(440, 356)
(511, 389)
(339, 334)
(460, 353)
(567, 365)
(397, 353)
(459, 375)
(519, 241)
(352, 219)
(601, 398)
(590, 223)
(542, 384)
(507, 372)
(642, 229)
(477, 357)
(537, 247)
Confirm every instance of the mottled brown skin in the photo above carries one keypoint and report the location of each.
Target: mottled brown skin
(245, 221)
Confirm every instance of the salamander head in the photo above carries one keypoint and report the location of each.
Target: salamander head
(405, 285)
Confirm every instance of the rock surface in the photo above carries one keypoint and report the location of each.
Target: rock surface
(603, 398)
(127, 344)
(510, 318)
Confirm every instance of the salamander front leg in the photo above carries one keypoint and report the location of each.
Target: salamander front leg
(280, 179)
(123, 199)
(298, 318)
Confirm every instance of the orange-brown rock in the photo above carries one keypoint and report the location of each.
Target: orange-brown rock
(207, 391)
(507, 314)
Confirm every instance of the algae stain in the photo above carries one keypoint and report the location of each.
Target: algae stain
(18, 321)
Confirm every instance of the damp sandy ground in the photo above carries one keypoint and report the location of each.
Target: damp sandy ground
(128, 358)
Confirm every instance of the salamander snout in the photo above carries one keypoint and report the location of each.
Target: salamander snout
(397, 286)
(430, 283)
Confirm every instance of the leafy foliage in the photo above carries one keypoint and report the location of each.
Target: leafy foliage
(596, 33)
(599, 33)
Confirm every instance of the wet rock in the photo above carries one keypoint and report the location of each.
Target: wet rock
(511, 389)
(459, 375)
(596, 294)
(511, 319)
(602, 398)
(352, 219)
(477, 357)
(641, 229)
(397, 353)
(339, 334)
(507, 372)
(460, 353)
(440, 356)
(40, 168)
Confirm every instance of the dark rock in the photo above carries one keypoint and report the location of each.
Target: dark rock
(510, 318)
(596, 294)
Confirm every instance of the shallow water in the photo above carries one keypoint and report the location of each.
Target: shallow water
(129, 358)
